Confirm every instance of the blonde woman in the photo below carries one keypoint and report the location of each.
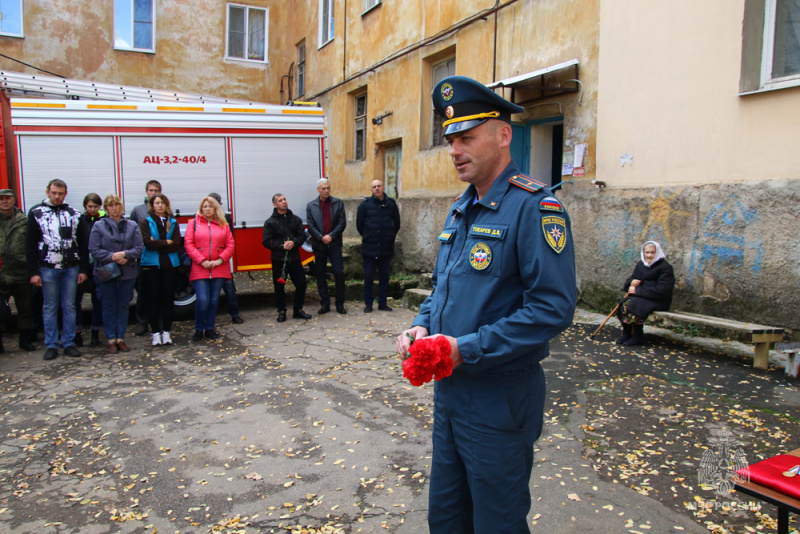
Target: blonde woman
(209, 243)
(115, 240)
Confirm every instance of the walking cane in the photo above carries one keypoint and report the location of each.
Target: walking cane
(609, 316)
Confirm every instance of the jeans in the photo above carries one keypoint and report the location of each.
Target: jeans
(230, 297)
(322, 254)
(384, 268)
(205, 308)
(295, 271)
(115, 297)
(59, 285)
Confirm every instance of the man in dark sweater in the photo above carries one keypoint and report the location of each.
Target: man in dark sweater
(283, 236)
(378, 221)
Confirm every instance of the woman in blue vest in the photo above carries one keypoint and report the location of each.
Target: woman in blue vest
(162, 241)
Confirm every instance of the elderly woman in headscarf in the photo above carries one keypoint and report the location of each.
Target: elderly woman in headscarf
(649, 289)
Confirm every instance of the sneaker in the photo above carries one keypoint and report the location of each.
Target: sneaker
(165, 338)
(50, 354)
(198, 335)
(156, 339)
(237, 320)
(384, 307)
(141, 329)
(211, 334)
(121, 345)
(71, 351)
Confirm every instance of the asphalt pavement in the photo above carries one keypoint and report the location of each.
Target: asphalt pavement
(309, 427)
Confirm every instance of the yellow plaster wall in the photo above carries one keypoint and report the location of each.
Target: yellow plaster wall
(668, 98)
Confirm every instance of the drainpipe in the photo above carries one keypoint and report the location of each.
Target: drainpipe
(344, 44)
(494, 58)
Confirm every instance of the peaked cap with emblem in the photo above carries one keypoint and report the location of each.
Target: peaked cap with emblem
(466, 103)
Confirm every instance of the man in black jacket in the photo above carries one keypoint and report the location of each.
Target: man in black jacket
(378, 221)
(283, 236)
(326, 223)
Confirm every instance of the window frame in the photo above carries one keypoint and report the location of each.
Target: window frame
(360, 125)
(246, 50)
(768, 52)
(132, 29)
(437, 130)
(326, 35)
(21, 23)
(301, 69)
(369, 5)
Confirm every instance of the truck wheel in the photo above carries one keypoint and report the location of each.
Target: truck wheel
(184, 293)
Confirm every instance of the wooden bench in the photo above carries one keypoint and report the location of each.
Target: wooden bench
(759, 335)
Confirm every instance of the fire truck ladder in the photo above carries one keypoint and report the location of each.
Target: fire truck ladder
(29, 85)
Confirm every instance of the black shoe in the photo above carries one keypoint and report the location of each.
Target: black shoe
(95, 342)
(384, 307)
(141, 329)
(637, 338)
(368, 308)
(237, 320)
(72, 351)
(341, 309)
(24, 341)
(627, 333)
(2, 348)
(325, 309)
(211, 334)
(281, 316)
(300, 314)
(50, 354)
(78, 339)
(198, 335)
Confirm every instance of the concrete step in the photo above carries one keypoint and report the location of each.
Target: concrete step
(413, 298)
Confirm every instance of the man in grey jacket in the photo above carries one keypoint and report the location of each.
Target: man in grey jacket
(326, 223)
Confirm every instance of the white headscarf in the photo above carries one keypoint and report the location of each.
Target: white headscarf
(659, 253)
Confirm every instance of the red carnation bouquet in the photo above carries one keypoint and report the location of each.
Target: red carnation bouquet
(282, 278)
(430, 358)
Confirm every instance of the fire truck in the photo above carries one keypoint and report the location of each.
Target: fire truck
(110, 139)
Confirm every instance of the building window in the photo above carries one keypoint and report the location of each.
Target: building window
(325, 22)
(247, 33)
(301, 69)
(11, 17)
(771, 45)
(440, 71)
(360, 147)
(369, 4)
(134, 25)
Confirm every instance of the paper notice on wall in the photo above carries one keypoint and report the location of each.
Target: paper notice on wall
(580, 151)
(566, 169)
(567, 163)
(579, 171)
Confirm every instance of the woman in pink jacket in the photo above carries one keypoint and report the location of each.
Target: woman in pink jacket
(209, 243)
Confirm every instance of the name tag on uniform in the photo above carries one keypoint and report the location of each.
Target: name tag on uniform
(446, 236)
(489, 231)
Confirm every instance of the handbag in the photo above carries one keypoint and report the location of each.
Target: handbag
(107, 272)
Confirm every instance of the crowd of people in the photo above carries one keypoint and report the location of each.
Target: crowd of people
(57, 255)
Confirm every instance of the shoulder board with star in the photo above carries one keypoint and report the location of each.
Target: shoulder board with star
(527, 183)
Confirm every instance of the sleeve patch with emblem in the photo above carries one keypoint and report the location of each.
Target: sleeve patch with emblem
(555, 232)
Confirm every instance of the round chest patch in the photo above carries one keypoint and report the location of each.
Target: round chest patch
(449, 112)
(480, 257)
(447, 91)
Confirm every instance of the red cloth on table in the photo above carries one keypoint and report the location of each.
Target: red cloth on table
(769, 473)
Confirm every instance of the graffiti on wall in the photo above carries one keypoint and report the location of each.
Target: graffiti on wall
(659, 213)
(722, 244)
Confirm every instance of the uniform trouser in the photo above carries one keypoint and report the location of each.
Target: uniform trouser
(322, 254)
(295, 271)
(483, 435)
(384, 269)
(23, 300)
(59, 286)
